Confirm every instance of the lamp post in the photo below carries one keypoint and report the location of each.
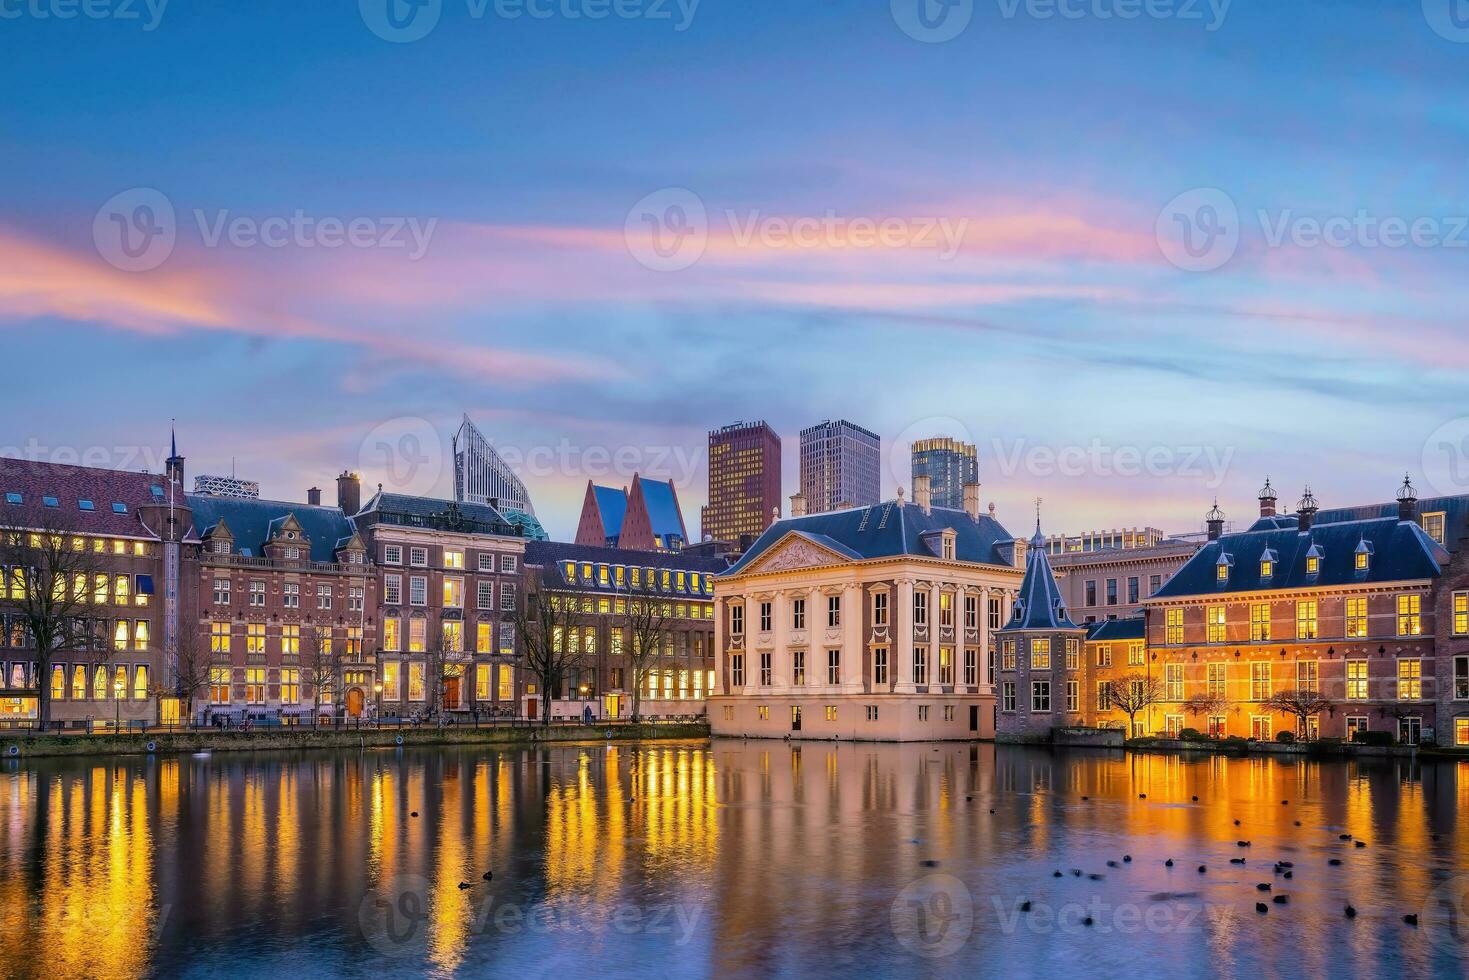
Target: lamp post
(117, 689)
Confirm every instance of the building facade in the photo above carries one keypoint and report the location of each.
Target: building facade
(870, 623)
(1114, 583)
(449, 584)
(744, 482)
(644, 517)
(481, 476)
(605, 586)
(950, 466)
(841, 466)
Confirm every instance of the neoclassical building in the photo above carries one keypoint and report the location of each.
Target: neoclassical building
(868, 623)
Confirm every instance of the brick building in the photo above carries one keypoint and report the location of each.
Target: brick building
(602, 583)
(644, 517)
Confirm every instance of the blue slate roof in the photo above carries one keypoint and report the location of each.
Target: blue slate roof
(1400, 551)
(1454, 509)
(552, 556)
(886, 530)
(1039, 605)
(1108, 630)
(253, 521)
(612, 505)
(662, 505)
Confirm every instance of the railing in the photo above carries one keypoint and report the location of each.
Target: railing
(342, 724)
(249, 561)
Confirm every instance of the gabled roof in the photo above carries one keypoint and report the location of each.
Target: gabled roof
(662, 504)
(38, 483)
(1400, 552)
(1039, 605)
(253, 523)
(1110, 630)
(611, 508)
(887, 530)
(1454, 509)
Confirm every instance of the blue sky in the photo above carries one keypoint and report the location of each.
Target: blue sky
(1060, 320)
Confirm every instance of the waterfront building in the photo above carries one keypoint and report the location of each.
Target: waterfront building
(646, 517)
(841, 466)
(950, 466)
(744, 482)
(604, 585)
(865, 623)
(481, 476)
(449, 583)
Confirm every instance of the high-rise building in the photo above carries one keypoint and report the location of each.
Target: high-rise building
(482, 477)
(744, 482)
(949, 464)
(841, 466)
(646, 517)
(226, 486)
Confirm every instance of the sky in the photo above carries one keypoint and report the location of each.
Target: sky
(1143, 253)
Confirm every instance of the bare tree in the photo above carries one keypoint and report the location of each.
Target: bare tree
(1207, 705)
(648, 631)
(1133, 694)
(50, 577)
(321, 660)
(545, 624)
(1301, 704)
(195, 658)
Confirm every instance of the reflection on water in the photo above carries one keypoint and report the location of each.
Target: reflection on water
(740, 858)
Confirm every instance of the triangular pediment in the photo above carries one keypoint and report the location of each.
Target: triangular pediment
(794, 551)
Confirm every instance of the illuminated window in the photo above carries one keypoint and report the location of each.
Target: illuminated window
(1259, 622)
(417, 634)
(417, 689)
(1461, 613)
(1356, 680)
(99, 684)
(453, 592)
(392, 680)
(1137, 654)
(946, 609)
(1215, 618)
(1362, 559)
(505, 687)
(58, 682)
(484, 640)
(140, 635)
(1410, 680)
(290, 685)
(1040, 653)
(1260, 685)
(120, 635)
(1306, 625)
(78, 682)
(453, 558)
(1410, 615)
(1313, 565)
(1216, 680)
(1073, 653)
(121, 588)
(219, 685)
(1007, 654)
(255, 685)
(1461, 731)
(946, 665)
(1267, 568)
(254, 637)
(1357, 618)
(1174, 626)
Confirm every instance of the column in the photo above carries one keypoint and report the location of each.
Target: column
(853, 656)
(961, 638)
(720, 652)
(900, 654)
(780, 660)
(934, 619)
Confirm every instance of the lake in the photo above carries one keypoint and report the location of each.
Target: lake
(734, 858)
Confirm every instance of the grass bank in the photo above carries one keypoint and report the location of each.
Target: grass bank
(22, 745)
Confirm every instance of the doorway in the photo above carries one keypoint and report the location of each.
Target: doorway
(795, 718)
(973, 718)
(355, 701)
(451, 693)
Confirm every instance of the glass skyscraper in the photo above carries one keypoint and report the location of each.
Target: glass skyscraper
(948, 464)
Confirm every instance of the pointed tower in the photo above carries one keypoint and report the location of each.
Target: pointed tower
(1040, 656)
(174, 465)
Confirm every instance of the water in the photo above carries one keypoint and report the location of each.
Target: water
(736, 859)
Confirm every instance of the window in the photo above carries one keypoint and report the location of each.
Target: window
(994, 613)
(1410, 680)
(255, 638)
(219, 638)
(1355, 724)
(831, 712)
(923, 712)
(417, 689)
(1007, 696)
(879, 609)
(507, 639)
(221, 592)
(872, 712)
(452, 631)
(393, 590)
(798, 667)
(833, 667)
(1410, 615)
(762, 712)
(484, 639)
(1174, 626)
(1313, 565)
(453, 558)
(392, 634)
(418, 557)
(1132, 590)
(1091, 593)
(290, 685)
(1261, 727)
(765, 617)
(418, 590)
(1461, 613)
(1137, 655)
(798, 614)
(971, 612)
(392, 554)
(1173, 682)
(946, 610)
(880, 666)
(1306, 626)
(1461, 678)
(254, 685)
(507, 596)
(1267, 568)
(1433, 525)
(323, 596)
(946, 665)
(1461, 732)
(508, 565)
(1104, 695)
(1216, 680)
(1308, 675)
(291, 595)
(453, 592)
(920, 609)
(1111, 592)
(505, 687)
(1040, 695)
(219, 685)
(1214, 616)
(1259, 621)
(1073, 654)
(1073, 696)
(291, 640)
(1363, 557)
(257, 593)
(766, 674)
(417, 634)
(1259, 682)
(737, 669)
(971, 667)
(1357, 618)
(1040, 653)
(833, 611)
(1356, 680)
(1104, 655)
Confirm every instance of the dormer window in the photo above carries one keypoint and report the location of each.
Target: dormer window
(86, 505)
(51, 501)
(119, 508)
(1221, 569)
(14, 498)
(1362, 558)
(1313, 565)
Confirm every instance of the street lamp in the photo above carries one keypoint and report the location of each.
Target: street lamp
(117, 689)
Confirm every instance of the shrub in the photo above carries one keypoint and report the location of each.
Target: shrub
(1193, 735)
(1285, 738)
(1378, 739)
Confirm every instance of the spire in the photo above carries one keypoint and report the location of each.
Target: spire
(174, 466)
(173, 438)
(1039, 605)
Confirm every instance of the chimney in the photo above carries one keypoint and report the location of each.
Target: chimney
(923, 492)
(798, 505)
(1407, 501)
(313, 497)
(1268, 498)
(1215, 521)
(900, 497)
(971, 499)
(349, 493)
(1306, 510)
